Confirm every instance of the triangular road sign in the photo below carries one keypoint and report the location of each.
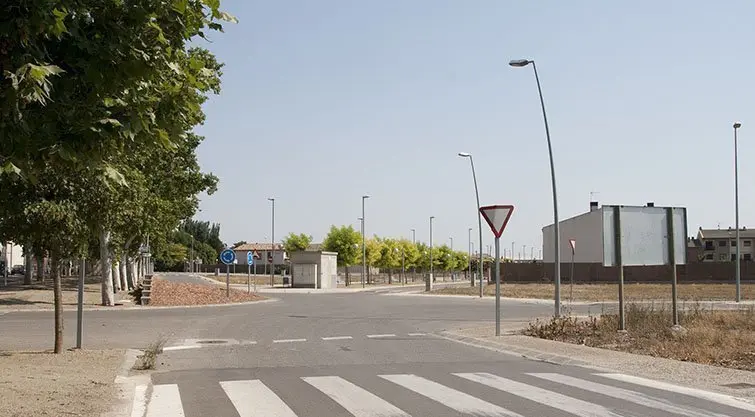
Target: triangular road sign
(497, 216)
(256, 255)
(573, 244)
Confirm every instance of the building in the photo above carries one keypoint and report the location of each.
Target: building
(720, 245)
(266, 253)
(643, 236)
(14, 254)
(314, 269)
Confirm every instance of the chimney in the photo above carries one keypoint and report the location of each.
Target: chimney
(593, 205)
(650, 204)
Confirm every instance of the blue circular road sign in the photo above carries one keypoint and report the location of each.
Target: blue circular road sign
(227, 256)
(250, 258)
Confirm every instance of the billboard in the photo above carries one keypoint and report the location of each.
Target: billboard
(644, 235)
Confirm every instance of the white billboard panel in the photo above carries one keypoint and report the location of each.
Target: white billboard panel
(644, 235)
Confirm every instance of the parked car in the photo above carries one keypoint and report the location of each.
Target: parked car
(18, 270)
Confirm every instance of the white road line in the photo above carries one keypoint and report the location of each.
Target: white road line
(417, 334)
(165, 402)
(379, 336)
(625, 395)
(248, 342)
(551, 399)
(693, 392)
(184, 347)
(337, 338)
(457, 400)
(252, 398)
(289, 340)
(354, 399)
(140, 401)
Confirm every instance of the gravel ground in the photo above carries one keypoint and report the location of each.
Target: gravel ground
(17, 296)
(713, 378)
(168, 293)
(73, 383)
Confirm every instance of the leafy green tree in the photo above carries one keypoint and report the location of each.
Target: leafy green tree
(296, 242)
(373, 251)
(346, 242)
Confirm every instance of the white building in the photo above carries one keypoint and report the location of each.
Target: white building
(643, 236)
(14, 253)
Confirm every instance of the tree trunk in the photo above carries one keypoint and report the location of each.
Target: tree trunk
(58, 297)
(108, 299)
(27, 265)
(40, 268)
(390, 276)
(348, 279)
(122, 273)
(130, 272)
(116, 276)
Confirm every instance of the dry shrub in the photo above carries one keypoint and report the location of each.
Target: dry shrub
(715, 337)
(148, 360)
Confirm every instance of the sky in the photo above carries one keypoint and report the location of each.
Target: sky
(324, 101)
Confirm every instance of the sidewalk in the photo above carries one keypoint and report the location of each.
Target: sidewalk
(706, 377)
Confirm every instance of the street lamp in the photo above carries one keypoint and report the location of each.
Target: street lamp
(414, 240)
(272, 243)
(364, 245)
(469, 256)
(479, 220)
(557, 236)
(429, 283)
(737, 276)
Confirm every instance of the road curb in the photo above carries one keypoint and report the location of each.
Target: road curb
(145, 308)
(126, 401)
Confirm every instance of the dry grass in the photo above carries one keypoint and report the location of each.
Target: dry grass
(242, 279)
(167, 293)
(722, 338)
(73, 383)
(39, 295)
(148, 359)
(608, 292)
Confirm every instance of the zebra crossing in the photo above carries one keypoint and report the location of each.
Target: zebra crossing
(489, 395)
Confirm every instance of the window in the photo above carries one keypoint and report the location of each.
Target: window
(747, 243)
(733, 243)
(734, 257)
(748, 256)
(721, 243)
(709, 245)
(722, 257)
(709, 257)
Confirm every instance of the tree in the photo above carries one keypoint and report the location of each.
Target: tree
(345, 241)
(294, 242)
(373, 250)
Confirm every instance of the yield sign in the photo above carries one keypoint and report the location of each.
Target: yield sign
(497, 217)
(573, 243)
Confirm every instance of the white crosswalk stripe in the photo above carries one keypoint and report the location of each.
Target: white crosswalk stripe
(252, 398)
(542, 396)
(165, 402)
(354, 399)
(457, 400)
(625, 394)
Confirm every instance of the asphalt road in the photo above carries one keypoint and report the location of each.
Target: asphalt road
(358, 354)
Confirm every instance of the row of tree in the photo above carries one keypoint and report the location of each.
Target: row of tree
(382, 252)
(98, 102)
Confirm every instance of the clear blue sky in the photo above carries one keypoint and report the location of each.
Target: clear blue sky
(326, 100)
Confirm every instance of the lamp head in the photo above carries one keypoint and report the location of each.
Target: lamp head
(520, 62)
(465, 154)
(737, 125)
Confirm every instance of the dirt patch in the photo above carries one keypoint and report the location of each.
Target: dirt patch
(711, 337)
(168, 293)
(609, 292)
(242, 279)
(73, 383)
(17, 296)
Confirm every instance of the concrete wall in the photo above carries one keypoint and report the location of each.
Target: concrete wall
(586, 229)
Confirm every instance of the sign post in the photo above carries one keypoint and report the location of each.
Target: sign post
(228, 256)
(573, 244)
(497, 217)
(249, 263)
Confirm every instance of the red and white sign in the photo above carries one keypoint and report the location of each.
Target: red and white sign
(256, 255)
(497, 217)
(573, 244)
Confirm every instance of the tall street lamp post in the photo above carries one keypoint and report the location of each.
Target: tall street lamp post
(557, 236)
(429, 283)
(737, 276)
(479, 218)
(364, 245)
(272, 243)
